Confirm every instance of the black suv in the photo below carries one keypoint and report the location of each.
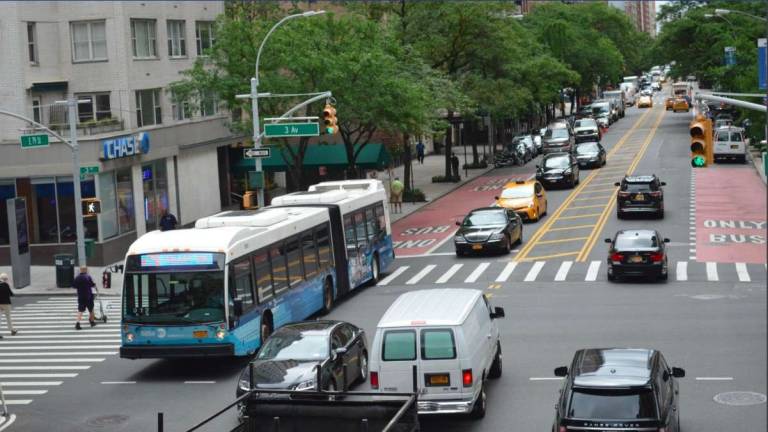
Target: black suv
(558, 169)
(618, 389)
(640, 194)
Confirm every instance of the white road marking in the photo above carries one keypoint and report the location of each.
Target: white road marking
(118, 382)
(682, 271)
(49, 360)
(31, 383)
(17, 354)
(712, 272)
(420, 275)
(545, 378)
(23, 375)
(714, 378)
(18, 401)
(449, 274)
(741, 270)
(534, 271)
(50, 347)
(47, 367)
(392, 276)
(594, 267)
(508, 269)
(199, 382)
(477, 272)
(24, 392)
(116, 331)
(425, 255)
(562, 272)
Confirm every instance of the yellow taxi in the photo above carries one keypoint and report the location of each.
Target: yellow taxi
(668, 103)
(645, 101)
(680, 104)
(526, 197)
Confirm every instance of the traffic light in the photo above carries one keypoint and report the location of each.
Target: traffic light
(701, 142)
(330, 122)
(91, 206)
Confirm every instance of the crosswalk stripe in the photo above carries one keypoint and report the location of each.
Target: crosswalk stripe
(425, 271)
(562, 272)
(59, 353)
(51, 347)
(594, 267)
(31, 383)
(24, 392)
(49, 360)
(741, 271)
(48, 367)
(477, 272)
(18, 401)
(712, 272)
(393, 275)
(534, 271)
(56, 375)
(508, 269)
(681, 271)
(72, 330)
(449, 274)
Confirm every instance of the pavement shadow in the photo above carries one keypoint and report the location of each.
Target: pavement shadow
(175, 370)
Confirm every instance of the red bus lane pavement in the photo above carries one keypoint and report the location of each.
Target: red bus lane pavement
(730, 216)
(429, 227)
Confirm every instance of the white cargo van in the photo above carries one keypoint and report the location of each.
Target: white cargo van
(451, 337)
(730, 144)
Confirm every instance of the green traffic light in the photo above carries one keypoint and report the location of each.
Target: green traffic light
(329, 130)
(698, 162)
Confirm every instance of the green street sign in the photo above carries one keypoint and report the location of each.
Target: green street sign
(280, 130)
(31, 141)
(89, 170)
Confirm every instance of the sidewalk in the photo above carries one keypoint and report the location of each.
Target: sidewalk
(43, 282)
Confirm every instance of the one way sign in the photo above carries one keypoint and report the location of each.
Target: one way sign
(91, 207)
(253, 153)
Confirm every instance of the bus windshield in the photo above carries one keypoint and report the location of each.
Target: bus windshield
(174, 297)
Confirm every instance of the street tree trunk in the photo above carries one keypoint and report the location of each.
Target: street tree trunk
(475, 155)
(407, 162)
(295, 160)
(449, 146)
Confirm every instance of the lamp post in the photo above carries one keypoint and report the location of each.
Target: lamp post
(255, 96)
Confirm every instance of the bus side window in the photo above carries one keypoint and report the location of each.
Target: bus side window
(279, 269)
(243, 283)
(263, 271)
(362, 238)
(381, 220)
(323, 247)
(295, 267)
(371, 225)
(309, 253)
(349, 237)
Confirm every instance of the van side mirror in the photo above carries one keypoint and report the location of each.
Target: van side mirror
(617, 184)
(666, 240)
(608, 240)
(663, 183)
(561, 371)
(498, 312)
(238, 307)
(678, 372)
(339, 352)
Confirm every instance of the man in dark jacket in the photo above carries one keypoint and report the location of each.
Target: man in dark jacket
(5, 302)
(83, 283)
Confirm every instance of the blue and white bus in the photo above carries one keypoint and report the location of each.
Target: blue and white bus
(222, 287)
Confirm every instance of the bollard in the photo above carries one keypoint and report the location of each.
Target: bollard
(159, 422)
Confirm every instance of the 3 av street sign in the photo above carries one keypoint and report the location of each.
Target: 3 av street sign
(281, 130)
(254, 153)
(31, 141)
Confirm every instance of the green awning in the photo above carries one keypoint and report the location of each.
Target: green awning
(372, 156)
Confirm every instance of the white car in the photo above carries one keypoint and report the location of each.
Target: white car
(451, 338)
(729, 144)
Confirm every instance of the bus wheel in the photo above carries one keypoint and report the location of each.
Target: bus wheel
(327, 296)
(266, 327)
(375, 269)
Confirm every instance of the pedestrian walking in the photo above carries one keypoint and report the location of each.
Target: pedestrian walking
(420, 152)
(455, 166)
(84, 284)
(168, 222)
(396, 195)
(5, 302)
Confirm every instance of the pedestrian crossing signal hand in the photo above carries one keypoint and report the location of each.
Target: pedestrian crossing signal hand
(330, 122)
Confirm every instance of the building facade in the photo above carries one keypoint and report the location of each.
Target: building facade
(142, 151)
(641, 13)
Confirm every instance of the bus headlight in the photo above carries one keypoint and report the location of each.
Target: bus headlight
(129, 337)
(220, 334)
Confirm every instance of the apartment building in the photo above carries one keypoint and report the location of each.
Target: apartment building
(145, 152)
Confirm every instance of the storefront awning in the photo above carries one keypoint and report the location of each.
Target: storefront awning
(49, 86)
(372, 156)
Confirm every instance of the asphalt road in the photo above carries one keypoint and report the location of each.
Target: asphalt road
(716, 330)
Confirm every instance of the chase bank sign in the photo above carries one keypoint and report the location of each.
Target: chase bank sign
(125, 146)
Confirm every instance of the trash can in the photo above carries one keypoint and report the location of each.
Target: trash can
(90, 244)
(65, 270)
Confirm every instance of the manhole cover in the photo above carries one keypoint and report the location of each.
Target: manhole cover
(740, 398)
(107, 420)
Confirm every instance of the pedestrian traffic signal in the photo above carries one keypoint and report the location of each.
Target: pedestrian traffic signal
(91, 206)
(330, 122)
(701, 142)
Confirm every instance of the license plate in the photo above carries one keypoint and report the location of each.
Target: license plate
(734, 146)
(477, 247)
(438, 380)
(640, 197)
(200, 333)
(635, 259)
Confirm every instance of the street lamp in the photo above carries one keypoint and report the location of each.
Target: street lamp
(730, 24)
(255, 96)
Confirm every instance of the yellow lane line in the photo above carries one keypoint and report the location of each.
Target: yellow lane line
(587, 206)
(579, 216)
(594, 198)
(600, 190)
(589, 244)
(562, 240)
(544, 257)
(572, 227)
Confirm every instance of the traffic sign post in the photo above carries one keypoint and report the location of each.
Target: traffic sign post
(33, 141)
(253, 153)
(282, 130)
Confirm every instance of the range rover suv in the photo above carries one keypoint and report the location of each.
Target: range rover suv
(618, 389)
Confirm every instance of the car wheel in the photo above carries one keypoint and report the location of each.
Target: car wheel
(578, 180)
(619, 215)
(459, 253)
(520, 239)
(496, 367)
(507, 245)
(478, 411)
(363, 362)
(660, 214)
(664, 277)
(611, 276)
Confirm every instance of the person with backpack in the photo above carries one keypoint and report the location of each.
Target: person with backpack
(5, 302)
(84, 284)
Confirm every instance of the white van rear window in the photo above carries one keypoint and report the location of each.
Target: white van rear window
(437, 345)
(399, 345)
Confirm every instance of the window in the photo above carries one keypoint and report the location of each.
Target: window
(381, 219)
(143, 38)
(180, 108)
(323, 248)
(177, 39)
(362, 240)
(279, 270)
(295, 267)
(125, 210)
(263, 276)
(242, 283)
(89, 41)
(209, 104)
(97, 107)
(371, 226)
(108, 217)
(309, 252)
(37, 110)
(205, 35)
(437, 345)
(32, 42)
(399, 345)
(148, 111)
(614, 404)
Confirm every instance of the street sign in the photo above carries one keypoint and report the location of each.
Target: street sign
(91, 206)
(253, 153)
(279, 130)
(730, 56)
(89, 170)
(31, 141)
(762, 67)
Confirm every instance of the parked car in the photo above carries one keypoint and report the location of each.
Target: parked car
(526, 197)
(530, 146)
(586, 129)
(619, 97)
(601, 111)
(590, 154)
(488, 229)
(558, 169)
(289, 358)
(558, 138)
(584, 111)
(637, 253)
(618, 389)
(452, 337)
(537, 133)
(730, 144)
(640, 194)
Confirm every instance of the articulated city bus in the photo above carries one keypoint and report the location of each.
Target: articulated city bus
(222, 287)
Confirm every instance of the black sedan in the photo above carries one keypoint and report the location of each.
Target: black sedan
(289, 358)
(637, 253)
(590, 154)
(488, 229)
(558, 169)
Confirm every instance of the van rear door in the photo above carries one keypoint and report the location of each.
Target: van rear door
(439, 374)
(398, 356)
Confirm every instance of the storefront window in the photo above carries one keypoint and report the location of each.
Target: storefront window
(44, 213)
(125, 209)
(108, 204)
(155, 185)
(66, 198)
(7, 190)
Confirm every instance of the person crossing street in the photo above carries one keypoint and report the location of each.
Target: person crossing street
(5, 302)
(84, 284)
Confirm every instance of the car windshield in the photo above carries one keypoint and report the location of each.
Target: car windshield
(559, 133)
(485, 218)
(587, 148)
(633, 241)
(557, 162)
(291, 344)
(518, 192)
(585, 123)
(600, 108)
(601, 404)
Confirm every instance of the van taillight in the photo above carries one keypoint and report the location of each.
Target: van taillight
(375, 380)
(466, 377)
